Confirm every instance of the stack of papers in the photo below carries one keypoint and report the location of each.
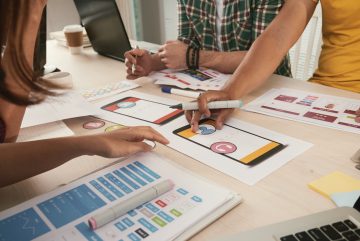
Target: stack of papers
(63, 214)
(313, 108)
(202, 79)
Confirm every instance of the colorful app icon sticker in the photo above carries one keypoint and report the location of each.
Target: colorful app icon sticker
(126, 104)
(92, 125)
(113, 128)
(206, 129)
(223, 147)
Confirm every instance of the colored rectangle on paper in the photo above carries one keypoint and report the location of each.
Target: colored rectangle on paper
(159, 221)
(280, 110)
(126, 179)
(140, 173)
(109, 186)
(321, 117)
(133, 237)
(26, 225)
(147, 170)
(71, 205)
(118, 183)
(102, 190)
(133, 176)
(175, 212)
(152, 207)
(120, 226)
(148, 225)
(87, 232)
(141, 232)
(285, 98)
(165, 216)
(128, 222)
(258, 153)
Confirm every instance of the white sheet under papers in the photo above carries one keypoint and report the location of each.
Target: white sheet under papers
(203, 79)
(69, 105)
(247, 174)
(63, 213)
(44, 131)
(313, 108)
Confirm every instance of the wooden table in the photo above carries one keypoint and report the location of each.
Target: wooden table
(282, 195)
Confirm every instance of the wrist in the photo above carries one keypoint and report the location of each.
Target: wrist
(86, 145)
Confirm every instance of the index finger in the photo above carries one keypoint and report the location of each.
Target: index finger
(150, 134)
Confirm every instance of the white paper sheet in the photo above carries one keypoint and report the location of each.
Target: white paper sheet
(63, 213)
(108, 90)
(247, 174)
(203, 79)
(69, 105)
(148, 111)
(45, 131)
(317, 109)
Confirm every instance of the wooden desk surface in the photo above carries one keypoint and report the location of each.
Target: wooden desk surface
(282, 195)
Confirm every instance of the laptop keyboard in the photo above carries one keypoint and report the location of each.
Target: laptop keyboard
(339, 231)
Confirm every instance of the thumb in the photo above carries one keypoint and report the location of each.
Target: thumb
(136, 147)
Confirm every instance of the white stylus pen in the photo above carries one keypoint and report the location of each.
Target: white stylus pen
(125, 206)
(224, 104)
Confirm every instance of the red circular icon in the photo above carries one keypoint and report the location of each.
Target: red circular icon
(91, 125)
(223, 147)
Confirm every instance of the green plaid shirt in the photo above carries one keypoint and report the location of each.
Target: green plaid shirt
(243, 21)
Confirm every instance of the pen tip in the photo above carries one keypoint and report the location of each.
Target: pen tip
(176, 106)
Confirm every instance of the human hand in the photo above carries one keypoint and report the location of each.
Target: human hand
(357, 117)
(193, 117)
(173, 54)
(142, 61)
(125, 141)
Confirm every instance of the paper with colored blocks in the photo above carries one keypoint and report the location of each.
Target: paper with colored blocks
(108, 90)
(63, 213)
(136, 108)
(312, 108)
(241, 150)
(335, 182)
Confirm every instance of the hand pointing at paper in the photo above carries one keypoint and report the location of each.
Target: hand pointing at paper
(193, 117)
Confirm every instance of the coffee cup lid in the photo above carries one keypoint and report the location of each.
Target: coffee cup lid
(73, 28)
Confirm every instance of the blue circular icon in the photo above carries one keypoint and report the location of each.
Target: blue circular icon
(197, 199)
(206, 129)
(126, 104)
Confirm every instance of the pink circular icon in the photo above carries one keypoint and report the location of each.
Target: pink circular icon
(91, 125)
(223, 147)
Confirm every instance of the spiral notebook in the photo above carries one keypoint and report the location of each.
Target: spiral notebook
(62, 214)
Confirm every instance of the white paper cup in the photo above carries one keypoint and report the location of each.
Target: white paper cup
(74, 38)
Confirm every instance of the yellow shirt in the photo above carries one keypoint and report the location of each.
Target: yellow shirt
(339, 63)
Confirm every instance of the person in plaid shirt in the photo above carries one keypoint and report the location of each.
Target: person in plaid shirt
(223, 30)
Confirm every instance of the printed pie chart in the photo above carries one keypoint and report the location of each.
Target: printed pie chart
(206, 129)
(126, 104)
(223, 147)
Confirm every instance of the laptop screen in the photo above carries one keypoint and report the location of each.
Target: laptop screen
(104, 26)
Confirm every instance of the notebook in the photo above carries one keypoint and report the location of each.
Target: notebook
(176, 215)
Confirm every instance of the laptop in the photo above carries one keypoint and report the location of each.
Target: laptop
(104, 27)
(340, 224)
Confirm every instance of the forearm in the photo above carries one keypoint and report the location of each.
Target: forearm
(19, 161)
(225, 62)
(269, 49)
